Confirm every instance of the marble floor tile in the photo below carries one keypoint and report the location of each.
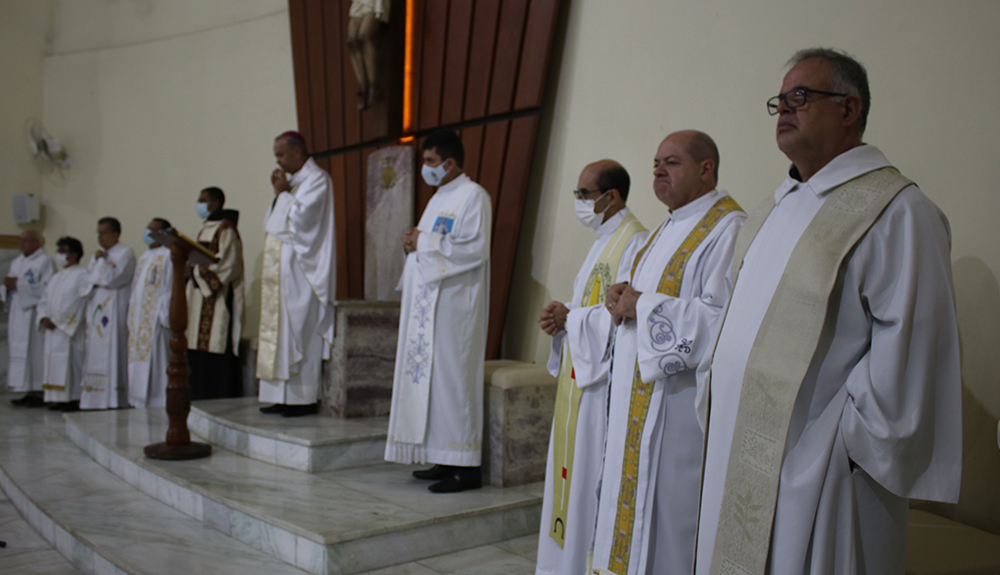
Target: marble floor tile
(526, 546)
(396, 483)
(404, 569)
(27, 553)
(276, 516)
(488, 560)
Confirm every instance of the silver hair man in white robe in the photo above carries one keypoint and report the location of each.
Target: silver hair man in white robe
(667, 312)
(835, 390)
(579, 330)
(437, 392)
(61, 314)
(299, 282)
(21, 290)
(149, 323)
(109, 285)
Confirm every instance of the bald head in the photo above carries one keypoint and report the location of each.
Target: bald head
(685, 168)
(701, 147)
(29, 241)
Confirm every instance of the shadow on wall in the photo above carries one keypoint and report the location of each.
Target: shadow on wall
(977, 300)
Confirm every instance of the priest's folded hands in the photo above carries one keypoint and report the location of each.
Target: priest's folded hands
(621, 300)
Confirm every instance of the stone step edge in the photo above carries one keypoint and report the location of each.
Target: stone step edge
(196, 412)
(80, 552)
(298, 455)
(192, 500)
(89, 557)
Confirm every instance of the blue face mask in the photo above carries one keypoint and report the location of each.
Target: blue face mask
(147, 237)
(202, 209)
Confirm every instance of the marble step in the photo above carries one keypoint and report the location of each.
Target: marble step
(333, 522)
(311, 443)
(99, 523)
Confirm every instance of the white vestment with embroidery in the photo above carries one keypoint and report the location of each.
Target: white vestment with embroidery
(25, 339)
(65, 345)
(300, 227)
(668, 340)
(149, 329)
(437, 395)
(877, 419)
(109, 285)
(586, 339)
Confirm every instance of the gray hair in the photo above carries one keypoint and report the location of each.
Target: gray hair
(849, 77)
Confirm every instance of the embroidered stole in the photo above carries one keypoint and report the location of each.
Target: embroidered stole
(782, 352)
(142, 318)
(642, 393)
(568, 395)
(270, 304)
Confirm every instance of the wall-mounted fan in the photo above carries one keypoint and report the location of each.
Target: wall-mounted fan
(46, 151)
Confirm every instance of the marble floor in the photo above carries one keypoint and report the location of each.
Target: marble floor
(26, 552)
(90, 490)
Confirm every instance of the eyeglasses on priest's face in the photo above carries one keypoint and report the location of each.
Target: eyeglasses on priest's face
(585, 194)
(796, 97)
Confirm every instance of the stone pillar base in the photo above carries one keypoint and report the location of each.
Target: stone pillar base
(357, 381)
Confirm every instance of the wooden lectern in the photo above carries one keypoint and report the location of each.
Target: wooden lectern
(178, 444)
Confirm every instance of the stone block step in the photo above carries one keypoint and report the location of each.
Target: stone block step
(98, 522)
(334, 522)
(311, 443)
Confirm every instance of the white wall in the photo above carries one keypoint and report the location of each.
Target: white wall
(157, 99)
(24, 30)
(635, 71)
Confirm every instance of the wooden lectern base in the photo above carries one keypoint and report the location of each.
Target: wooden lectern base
(190, 450)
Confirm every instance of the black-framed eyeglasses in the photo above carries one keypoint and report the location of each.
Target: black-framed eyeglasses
(583, 193)
(795, 97)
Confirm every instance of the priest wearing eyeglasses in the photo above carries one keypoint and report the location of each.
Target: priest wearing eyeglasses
(834, 395)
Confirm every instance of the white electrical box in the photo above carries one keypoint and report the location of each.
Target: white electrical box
(27, 209)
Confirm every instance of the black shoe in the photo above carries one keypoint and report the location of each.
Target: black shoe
(300, 410)
(456, 482)
(436, 473)
(29, 400)
(55, 406)
(71, 406)
(276, 408)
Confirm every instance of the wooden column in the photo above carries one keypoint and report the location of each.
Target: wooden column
(178, 444)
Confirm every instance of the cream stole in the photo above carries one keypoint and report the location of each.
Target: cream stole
(780, 357)
(568, 395)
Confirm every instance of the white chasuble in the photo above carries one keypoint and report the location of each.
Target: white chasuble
(149, 329)
(437, 390)
(576, 444)
(24, 336)
(649, 493)
(109, 284)
(65, 345)
(876, 418)
(298, 287)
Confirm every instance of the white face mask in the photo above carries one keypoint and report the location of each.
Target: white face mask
(433, 176)
(585, 212)
(62, 260)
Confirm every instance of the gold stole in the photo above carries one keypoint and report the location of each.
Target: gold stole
(568, 395)
(642, 393)
(270, 312)
(781, 354)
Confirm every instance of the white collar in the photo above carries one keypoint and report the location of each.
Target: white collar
(454, 184)
(306, 169)
(845, 167)
(696, 207)
(607, 228)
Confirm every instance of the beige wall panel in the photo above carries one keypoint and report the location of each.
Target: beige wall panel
(634, 71)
